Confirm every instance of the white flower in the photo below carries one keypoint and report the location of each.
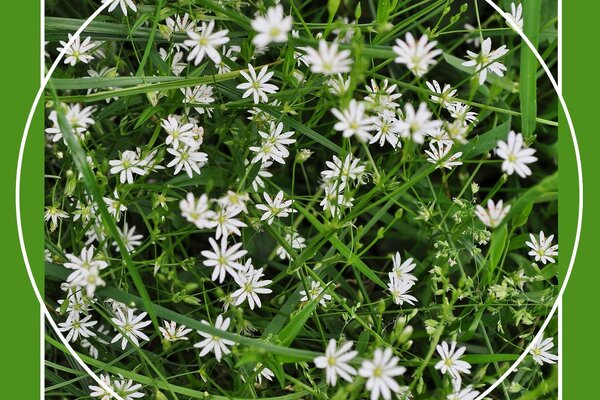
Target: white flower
(338, 85)
(256, 85)
(215, 343)
(123, 3)
(335, 200)
(515, 18)
(115, 207)
(295, 241)
(263, 172)
(450, 360)
(274, 145)
(542, 250)
(226, 223)
(353, 121)
(250, 287)
(229, 53)
(402, 270)
(457, 131)
(224, 259)
(127, 389)
(78, 51)
(380, 373)
(440, 136)
(461, 112)
(130, 239)
(100, 392)
(235, 200)
(515, 155)
(417, 56)
(177, 131)
(86, 270)
(205, 42)
(127, 165)
(541, 351)
(80, 119)
(273, 27)
(187, 158)
(387, 129)
(89, 279)
(54, 214)
(494, 214)
(77, 303)
(85, 261)
(314, 292)
(473, 35)
(77, 327)
(176, 65)
(336, 362)
(129, 326)
(327, 60)
(466, 394)
(417, 124)
(486, 60)
(343, 171)
(276, 207)
(439, 155)
(264, 373)
(381, 96)
(180, 24)
(444, 96)
(172, 333)
(197, 211)
(399, 290)
(199, 95)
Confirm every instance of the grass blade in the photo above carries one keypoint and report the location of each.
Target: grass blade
(528, 87)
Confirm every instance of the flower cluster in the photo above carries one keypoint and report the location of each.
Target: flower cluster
(265, 191)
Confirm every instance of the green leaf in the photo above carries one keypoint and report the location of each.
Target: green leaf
(485, 142)
(144, 86)
(545, 191)
(497, 245)
(297, 322)
(341, 247)
(528, 85)
(299, 127)
(383, 11)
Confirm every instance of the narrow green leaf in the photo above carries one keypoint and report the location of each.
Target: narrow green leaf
(528, 87)
(292, 329)
(497, 245)
(341, 247)
(486, 141)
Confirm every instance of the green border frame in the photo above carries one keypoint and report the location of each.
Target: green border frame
(20, 369)
(21, 329)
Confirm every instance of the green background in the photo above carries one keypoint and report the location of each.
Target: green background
(20, 72)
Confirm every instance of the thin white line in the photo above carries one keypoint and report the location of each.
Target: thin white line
(540, 334)
(42, 332)
(42, 357)
(560, 300)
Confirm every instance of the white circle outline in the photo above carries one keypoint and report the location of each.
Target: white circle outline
(83, 365)
(540, 333)
(110, 389)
